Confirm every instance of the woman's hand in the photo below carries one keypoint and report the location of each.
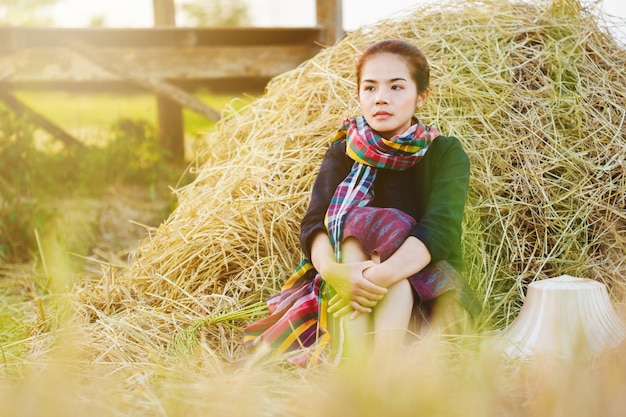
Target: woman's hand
(375, 274)
(354, 291)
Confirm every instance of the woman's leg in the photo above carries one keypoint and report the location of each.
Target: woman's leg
(389, 320)
(356, 332)
(392, 316)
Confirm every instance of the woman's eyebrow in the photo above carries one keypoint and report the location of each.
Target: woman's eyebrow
(391, 80)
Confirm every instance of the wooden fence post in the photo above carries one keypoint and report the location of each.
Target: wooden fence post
(170, 114)
(329, 17)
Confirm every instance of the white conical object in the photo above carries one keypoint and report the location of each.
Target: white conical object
(564, 317)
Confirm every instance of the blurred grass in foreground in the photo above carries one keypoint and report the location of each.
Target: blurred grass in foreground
(435, 377)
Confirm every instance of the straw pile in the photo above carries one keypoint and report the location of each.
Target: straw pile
(536, 94)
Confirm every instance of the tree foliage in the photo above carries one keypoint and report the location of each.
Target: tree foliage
(214, 13)
(25, 12)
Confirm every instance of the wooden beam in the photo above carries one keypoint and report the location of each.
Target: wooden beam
(164, 12)
(169, 112)
(15, 38)
(21, 109)
(230, 86)
(170, 128)
(64, 64)
(330, 19)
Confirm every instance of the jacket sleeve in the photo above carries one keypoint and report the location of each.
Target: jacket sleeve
(440, 226)
(335, 167)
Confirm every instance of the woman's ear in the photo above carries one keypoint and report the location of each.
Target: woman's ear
(421, 99)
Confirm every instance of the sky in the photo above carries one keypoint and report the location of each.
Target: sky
(138, 13)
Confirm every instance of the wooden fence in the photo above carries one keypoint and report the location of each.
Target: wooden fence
(170, 62)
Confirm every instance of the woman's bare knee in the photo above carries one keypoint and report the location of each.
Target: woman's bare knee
(353, 251)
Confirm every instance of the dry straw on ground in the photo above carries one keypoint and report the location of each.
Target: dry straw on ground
(536, 94)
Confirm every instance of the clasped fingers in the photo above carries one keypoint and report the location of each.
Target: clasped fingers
(339, 306)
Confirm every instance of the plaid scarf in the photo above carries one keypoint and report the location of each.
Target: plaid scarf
(370, 152)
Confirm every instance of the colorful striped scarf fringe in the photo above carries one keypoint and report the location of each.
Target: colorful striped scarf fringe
(293, 324)
(297, 324)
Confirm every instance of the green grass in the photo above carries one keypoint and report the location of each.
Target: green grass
(93, 113)
(35, 178)
(124, 149)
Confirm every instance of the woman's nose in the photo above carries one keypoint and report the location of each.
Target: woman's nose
(381, 96)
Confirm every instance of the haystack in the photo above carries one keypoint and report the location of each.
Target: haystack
(536, 93)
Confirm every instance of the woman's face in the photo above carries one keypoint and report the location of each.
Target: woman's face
(388, 95)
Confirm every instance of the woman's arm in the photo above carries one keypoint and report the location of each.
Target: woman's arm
(438, 230)
(410, 258)
(334, 168)
(347, 279)
(440, 225)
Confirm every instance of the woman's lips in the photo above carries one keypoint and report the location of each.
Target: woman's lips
(382, 115)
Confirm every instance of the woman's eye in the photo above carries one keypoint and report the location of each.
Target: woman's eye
(396, 87)
(368, 88)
